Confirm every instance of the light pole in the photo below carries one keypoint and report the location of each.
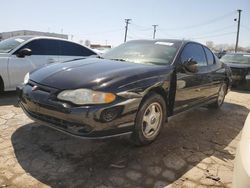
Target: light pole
(238, 30)
(126, 29)
(154, 30)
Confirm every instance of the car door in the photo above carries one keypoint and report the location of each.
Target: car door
(215, 75)
(191, 87)
(43, 51)
(70, 50)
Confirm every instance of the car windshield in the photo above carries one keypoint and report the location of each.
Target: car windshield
(236, 58)
(9, 44)
(154, 52)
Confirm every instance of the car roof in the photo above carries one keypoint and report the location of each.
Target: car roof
(42, 37)
(181, 42)
(161, 40)
(34, 37)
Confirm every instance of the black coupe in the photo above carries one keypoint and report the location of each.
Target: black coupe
(240, 66)
(133, 88)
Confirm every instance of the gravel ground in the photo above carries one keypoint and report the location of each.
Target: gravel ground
(196, 149)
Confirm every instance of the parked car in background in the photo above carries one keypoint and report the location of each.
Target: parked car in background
(133, 88)
(220, 54)
(241, 174)
(20, 55)
(239, 64)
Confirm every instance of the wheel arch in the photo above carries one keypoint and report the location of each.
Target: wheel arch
(160, 91)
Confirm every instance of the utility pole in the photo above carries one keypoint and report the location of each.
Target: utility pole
(154, 30)
(127, 21)
(238, 31)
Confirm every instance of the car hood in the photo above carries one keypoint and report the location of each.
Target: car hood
(238, 65)
(95, 73)
(4, 55)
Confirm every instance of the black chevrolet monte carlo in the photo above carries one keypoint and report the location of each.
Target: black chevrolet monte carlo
(133, 88)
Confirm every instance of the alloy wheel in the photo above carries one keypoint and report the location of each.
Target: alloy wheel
(152, 120)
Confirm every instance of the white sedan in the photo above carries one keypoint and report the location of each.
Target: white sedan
(20, 55)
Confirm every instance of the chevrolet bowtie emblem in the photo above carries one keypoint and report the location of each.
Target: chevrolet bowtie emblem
(34, 88)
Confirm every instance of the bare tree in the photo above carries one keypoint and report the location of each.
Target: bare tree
(87, 42)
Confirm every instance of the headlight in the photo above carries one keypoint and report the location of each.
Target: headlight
(86, 96)
(26, 78)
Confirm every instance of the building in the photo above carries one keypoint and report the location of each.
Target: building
(100, 49)
(99, 46)
(5, 35)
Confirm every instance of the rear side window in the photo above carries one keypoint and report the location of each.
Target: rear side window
(43, 47)
(196, 52)
(71, 49)
(210, 56)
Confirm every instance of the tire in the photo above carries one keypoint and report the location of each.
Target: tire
(221, 96)
(1, 85)
(150, 119)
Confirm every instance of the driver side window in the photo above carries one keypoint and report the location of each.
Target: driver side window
(195, 52)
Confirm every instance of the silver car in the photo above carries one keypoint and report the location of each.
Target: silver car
(20, 55)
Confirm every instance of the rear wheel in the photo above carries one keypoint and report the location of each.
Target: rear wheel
(221, 96)
(149, 120)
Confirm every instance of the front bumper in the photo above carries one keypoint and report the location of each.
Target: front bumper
(239, 74)
(96, 121)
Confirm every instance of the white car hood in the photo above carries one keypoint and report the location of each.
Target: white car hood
(4, 55)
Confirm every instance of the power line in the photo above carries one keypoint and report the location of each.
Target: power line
(164, 33)
(218, 30)
(140, 27)
(211, 36)
(216, 19)
(131, 34)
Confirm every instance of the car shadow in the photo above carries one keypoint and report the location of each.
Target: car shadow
(59, 160)
(8, 98)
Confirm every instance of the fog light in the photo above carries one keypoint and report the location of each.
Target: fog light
(111, 113)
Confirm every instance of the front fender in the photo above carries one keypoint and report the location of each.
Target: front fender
(4, 74)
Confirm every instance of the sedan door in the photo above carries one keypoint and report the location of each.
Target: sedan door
(43, 51)
(192, 87)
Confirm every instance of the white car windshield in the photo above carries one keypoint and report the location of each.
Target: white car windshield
(9, 44)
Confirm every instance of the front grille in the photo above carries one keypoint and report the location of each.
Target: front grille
(42, 87)
(62, 124)
(239, 71)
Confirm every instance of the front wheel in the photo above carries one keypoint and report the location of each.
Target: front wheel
(149, 120)
(221, 96)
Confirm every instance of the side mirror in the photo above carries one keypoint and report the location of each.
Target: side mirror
(24, 52)
(190, 65)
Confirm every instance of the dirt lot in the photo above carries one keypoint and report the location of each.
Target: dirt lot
(196, 149)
